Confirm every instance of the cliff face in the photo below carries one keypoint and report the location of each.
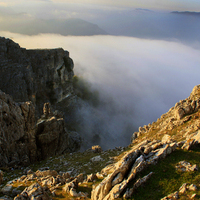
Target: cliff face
(24, 141)
(36, 75)
(32, 78)
(17, 123)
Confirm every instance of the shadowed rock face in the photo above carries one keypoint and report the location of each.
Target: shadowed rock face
(17, 121)
(36, 75)
(22, 141)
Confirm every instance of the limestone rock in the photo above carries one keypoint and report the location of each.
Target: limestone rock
(91, 177)
(96, 159)
(36, 75)
(51, 133)
(166, 139)
(34, 191)
(192, 187)
(72, 184)
(192, 142)
(193, 196)
(96, 149)
(17, 133)
(39, 173)
(186, 166)
(121, 167)
(22, 141)
(139, 182)
(73, 192)
(120, 174)
(183, 188)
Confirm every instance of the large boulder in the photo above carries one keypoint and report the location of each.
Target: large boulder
(52, 136)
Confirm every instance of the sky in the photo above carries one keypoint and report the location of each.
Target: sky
(191, 5)
(147, 60)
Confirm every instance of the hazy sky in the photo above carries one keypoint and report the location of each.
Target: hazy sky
(152, 4)
(90, 8)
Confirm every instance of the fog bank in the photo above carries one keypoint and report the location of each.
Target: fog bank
(138, 79)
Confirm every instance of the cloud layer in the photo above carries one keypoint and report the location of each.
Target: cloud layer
(139, 79)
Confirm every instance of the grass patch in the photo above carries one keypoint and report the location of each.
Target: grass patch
(166, 179)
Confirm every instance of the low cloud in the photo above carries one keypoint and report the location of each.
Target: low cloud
(139, 79)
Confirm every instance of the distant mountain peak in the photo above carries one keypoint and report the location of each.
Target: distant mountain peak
(186, 13)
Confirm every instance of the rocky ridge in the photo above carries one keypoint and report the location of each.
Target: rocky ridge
(40, 76)
(24, 141)
(175, 132)
(35, 78)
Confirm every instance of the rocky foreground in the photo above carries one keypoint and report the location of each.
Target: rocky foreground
(119, 173)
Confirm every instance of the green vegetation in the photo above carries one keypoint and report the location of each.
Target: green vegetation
(84, 91)
(166, 179)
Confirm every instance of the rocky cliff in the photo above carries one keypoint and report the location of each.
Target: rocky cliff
(34, 78)
(23, 140)
(36, 75)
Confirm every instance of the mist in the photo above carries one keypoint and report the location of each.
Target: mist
(149, 24)
(138, 80)
(84, 19)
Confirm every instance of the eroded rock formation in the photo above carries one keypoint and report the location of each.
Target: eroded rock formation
(175, 117)
(39, 76)
(119, 175)
(17, 134)
(22, 141)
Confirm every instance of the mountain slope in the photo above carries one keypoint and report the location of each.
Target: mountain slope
(65, 27)
(162, 160)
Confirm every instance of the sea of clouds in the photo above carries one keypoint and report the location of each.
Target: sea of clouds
(140, 79)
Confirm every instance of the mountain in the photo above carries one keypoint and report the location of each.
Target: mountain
(72, 26)
(140, 23)
(38, 158)
(162, 162)
(186, 13)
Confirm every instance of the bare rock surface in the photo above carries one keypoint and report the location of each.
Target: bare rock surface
(22, 141)
(18, 142)
(34, 191)
(36, 75)
(126, 169)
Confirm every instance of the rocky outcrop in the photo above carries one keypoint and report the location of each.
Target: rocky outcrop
(44, 185)
(125, 170)
(34, 191)
(17, 135)
(22, 141)
(52, 137)
(36, 75)
(178, 115)
(182, 190)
